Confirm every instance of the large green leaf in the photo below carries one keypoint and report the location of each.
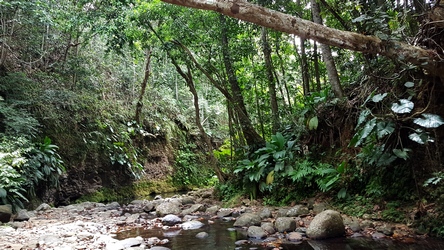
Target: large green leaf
(403, 107)
(429, 121)
(362, 117)
(420, 137)
(366, 131)
(278, 140)
(313, 123)
(402, 153)
(385, 128)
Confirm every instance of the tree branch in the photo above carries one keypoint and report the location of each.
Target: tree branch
(242, 10)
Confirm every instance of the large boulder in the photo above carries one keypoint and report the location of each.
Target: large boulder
(248, 219)
(167, 208)
(327, 224)
(5, 213)
(285, 224)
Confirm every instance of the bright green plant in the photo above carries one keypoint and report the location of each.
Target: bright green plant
(189, 169)
(119, 145)
(11, 181)
(44, 166)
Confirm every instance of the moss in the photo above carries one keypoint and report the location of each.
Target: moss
(138, 190)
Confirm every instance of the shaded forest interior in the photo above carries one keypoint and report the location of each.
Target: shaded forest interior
(331, 99)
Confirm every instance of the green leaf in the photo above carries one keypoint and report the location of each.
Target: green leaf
(385, 128)
(3, 193)
(403, 107)
(278, 140)
(341, 167)
(379, 97)
(270, 178)
(420, 137)
(366, 131)
(313, 123)
(409, 84)
(279, 166)
(402, 153)
(429, 121)
(362, 117)
(342, 193)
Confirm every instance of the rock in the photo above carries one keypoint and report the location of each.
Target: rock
(282, 212)
(167, 208)
(43, 207)
(265, 213)
(23, 215)
(285, 224)
(378, 235)
(248, 219)
(5, 213)
(212, 210)
(202, 235)
(386, 229)
(148, 207)
(225, 212)
(112, 206)
(192, 209)
(268, 227)
(294, 236)
(319, 207)
(241, 242)
(256, 232)
(190, 225)
(297, 211)
(327, 224)
(124, 244)
(171, 220)
(132, 218)
(186, 200)
(159, 248)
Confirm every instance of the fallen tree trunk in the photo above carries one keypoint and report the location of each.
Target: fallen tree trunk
(429, 60)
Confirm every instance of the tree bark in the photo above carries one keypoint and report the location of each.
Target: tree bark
(147, 74)
(240, 9)
(251, 136)
(188, 77)
(327, 56)
(304, 67)
(271, 81)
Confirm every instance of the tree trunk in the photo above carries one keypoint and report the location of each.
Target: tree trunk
(139, 104)
(316, 67)
(304, 67)
(271, 82)
(399, 51)
(252, 138)
(188, 77)
(332, 73)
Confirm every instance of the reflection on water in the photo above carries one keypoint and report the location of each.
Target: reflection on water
(221, 238)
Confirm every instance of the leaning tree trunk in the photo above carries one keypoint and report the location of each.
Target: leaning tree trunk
(332, 73)
(147, 74)
(188, 77)
(252, 138)
(429, 60)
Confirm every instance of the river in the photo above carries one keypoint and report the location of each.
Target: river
(222, 236)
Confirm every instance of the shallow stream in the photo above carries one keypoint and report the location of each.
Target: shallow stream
(222, 236)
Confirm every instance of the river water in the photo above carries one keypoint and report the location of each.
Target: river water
(222, 236)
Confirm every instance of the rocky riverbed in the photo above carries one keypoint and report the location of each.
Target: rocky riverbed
(95, 225)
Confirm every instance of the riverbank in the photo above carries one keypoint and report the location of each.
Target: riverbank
(90, 225)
